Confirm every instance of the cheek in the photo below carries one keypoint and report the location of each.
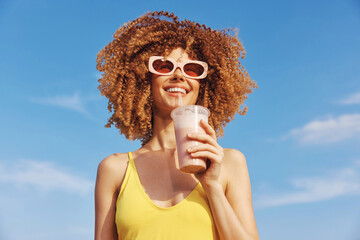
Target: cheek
(196, 86)
(197, 91)
(154, 92)
(156, 81)
(155, 87)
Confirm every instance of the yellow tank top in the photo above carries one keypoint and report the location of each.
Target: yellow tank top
(138, 217)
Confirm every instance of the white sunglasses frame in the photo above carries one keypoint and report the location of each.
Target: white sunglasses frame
(176, 64)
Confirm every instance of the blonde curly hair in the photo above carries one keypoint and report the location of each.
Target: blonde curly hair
(126, 80)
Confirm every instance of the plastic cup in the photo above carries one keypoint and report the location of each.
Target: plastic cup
(187, 120)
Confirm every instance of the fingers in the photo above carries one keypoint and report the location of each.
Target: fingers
(214, 158)
(203, 147)
(210, 148)
(207, 151)
(208, 129)
(204, 138)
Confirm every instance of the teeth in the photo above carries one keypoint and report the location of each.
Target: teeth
(171, 90)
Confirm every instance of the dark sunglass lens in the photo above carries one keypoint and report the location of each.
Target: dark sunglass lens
(162, 66)
(194, 69)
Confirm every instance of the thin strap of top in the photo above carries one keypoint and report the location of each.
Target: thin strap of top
(131, 167)
(131, 159)
(137, 217)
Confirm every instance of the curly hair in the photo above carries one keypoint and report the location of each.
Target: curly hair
(126, 80)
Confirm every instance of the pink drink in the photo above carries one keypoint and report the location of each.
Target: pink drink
(187, 120)
(186, 162)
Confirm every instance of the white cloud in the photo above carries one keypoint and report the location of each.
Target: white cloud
(352, 99)
(44, 176)
(73, 102)
(330, 130)
(345, 181)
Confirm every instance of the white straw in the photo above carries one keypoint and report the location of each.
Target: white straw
(180, 99)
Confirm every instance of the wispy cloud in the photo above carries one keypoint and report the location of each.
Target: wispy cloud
(44, 176)
(352, 99)
(345, 181)
(72, 102)
(330, 130)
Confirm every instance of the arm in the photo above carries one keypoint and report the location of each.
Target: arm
(232, 211)
(108, 180)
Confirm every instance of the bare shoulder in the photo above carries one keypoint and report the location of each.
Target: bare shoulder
(233, 158)
(233, 165)
(113, 168)
(113, 162)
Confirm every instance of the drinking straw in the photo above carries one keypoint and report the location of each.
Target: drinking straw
(180, 99)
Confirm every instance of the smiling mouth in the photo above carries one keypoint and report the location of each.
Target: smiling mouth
(176, 90)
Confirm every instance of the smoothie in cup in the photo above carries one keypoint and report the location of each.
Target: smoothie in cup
(187, 120)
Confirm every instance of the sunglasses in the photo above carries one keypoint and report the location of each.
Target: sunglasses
(167, 66)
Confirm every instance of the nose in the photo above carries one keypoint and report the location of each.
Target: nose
(178, 75)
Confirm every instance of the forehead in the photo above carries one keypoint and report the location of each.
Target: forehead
(178, 54)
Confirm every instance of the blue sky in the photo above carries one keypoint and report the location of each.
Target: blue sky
(300, 136)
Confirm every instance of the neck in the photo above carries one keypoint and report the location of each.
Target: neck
(163, 133)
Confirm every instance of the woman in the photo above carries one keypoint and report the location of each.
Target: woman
(143, 195)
